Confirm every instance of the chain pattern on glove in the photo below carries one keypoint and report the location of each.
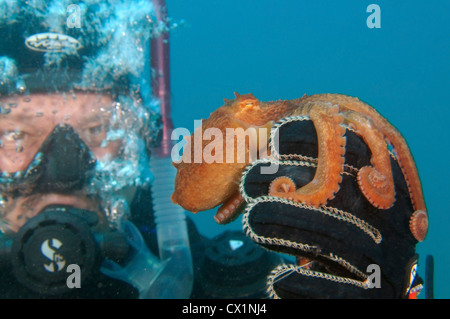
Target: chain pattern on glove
(284, 270)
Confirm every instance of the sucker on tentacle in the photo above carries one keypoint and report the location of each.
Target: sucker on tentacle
(418, 225)
(227, 212)
(282, 184)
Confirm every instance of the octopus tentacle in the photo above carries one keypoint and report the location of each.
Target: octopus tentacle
(390, 133)
(409, 170)
(282, 184)
(405, 157)
(331, 149)
(418, 225)
(376, 182)
(228, 211)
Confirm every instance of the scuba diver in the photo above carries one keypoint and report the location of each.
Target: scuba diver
(78, 129)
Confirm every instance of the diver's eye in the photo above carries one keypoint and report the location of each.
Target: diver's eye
(96, 130)
(94, 135)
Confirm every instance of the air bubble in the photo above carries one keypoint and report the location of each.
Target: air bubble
(3, 201)
(4, 110)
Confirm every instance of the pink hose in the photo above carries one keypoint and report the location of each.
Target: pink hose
(160, 78)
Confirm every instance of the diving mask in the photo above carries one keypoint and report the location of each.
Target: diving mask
(63, 163)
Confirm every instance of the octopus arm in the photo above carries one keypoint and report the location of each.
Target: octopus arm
(376, 181)
(229, 210)
(331, 149)
(390, 133)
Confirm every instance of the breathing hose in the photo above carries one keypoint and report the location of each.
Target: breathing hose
(176, 279)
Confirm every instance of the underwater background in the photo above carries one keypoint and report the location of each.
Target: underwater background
(282, 49)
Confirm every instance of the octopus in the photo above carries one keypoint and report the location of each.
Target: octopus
(201, 186)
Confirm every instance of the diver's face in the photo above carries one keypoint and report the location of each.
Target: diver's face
(26, 125)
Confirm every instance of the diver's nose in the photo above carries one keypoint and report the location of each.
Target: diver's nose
(68, 164)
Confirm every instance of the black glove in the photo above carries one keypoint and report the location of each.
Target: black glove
(348, 244)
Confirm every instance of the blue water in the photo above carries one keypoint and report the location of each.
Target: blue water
(281, 49)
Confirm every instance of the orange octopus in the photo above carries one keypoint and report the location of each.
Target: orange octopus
(202, 186)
